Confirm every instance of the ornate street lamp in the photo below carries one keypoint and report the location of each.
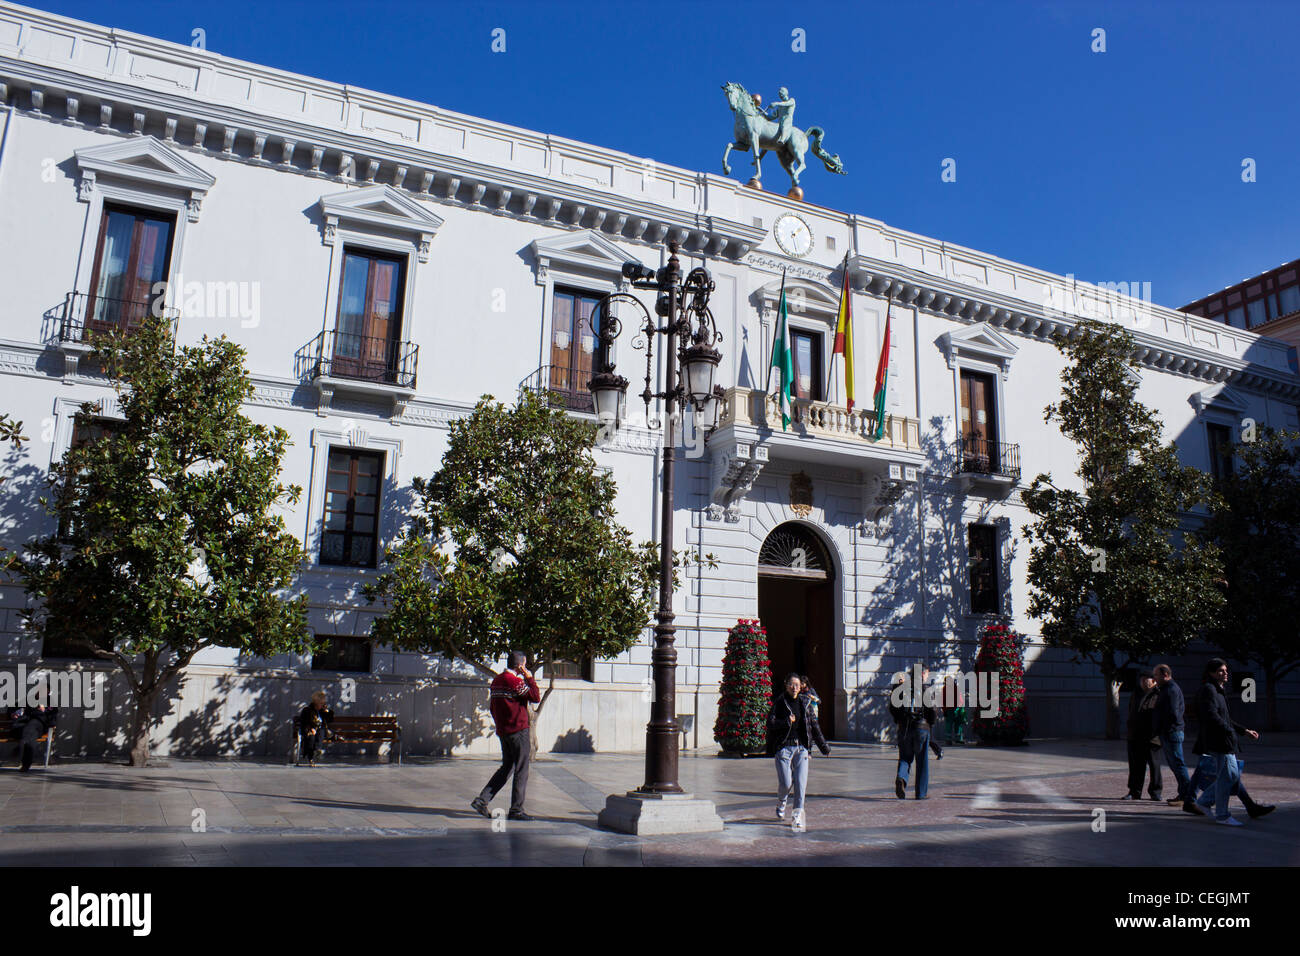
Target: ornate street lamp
(660, 805)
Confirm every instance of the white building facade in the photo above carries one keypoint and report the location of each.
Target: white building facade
(385, 262)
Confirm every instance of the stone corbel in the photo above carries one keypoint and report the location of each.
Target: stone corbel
(881, 492)
(324, 397)
(330, 231)
(734, 471)
(422, 251)
(86, 185)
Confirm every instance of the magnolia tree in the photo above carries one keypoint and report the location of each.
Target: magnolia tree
(1113, 576)
(1257, 524)
(513, 545)
(170, 538)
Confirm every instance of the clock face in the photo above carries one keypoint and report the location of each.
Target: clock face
(793, 235)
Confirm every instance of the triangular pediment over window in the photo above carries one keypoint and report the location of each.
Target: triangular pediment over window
(801, 296)
(980, 341)
(380, 208)
(144, 162)
(582, 251)
(1219, 399)
(147, 158)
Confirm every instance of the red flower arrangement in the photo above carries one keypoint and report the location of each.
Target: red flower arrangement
(746, 690)
(1000, 652)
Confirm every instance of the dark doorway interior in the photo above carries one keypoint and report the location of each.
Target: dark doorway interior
(796, 606)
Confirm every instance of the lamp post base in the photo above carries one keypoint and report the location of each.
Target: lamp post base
(652, 814)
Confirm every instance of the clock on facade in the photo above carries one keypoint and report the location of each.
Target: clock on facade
(793, 235)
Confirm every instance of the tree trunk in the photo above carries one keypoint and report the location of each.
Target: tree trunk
(537, 713)
(140, 726)
(1108, 674)
(145, 692)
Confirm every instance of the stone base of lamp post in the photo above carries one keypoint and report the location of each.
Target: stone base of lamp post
(652, 814)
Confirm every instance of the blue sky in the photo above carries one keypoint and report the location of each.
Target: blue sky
(1117, 166)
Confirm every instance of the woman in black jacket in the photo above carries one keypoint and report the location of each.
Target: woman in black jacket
(314, 726)
(792, 728)
(28, 725)
(1143, 745)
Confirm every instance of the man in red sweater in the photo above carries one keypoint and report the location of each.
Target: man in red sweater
(512, 689)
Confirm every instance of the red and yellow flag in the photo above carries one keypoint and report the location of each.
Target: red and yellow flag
(882, 374)
(844, 336)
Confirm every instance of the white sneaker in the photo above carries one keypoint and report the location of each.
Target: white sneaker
(1229, 822)
(780, 810)
(798, 824)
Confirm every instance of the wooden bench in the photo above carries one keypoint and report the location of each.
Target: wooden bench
(356, 730)
(6, 733)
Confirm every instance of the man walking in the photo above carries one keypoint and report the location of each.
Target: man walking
(914, 720)
(1218, 738)
(512, 690)
(1170, 729)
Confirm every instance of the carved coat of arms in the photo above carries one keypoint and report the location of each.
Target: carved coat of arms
(801, 491)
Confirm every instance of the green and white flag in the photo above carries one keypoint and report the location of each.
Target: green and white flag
(783, 360)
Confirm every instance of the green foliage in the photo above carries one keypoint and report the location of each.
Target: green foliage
(514, 545)
(1111, 572)
(12, 432)
(1000, 653)
(1257, 525)
(746, 691)
(170, 538)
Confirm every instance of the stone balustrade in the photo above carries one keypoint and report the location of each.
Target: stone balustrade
(743, 406)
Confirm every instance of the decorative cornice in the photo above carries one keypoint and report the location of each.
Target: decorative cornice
(960, 301)
(297, 124)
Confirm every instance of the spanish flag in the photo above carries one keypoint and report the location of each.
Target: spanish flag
(882, 374)
(844, 335)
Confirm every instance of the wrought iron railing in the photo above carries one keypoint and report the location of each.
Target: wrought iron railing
(86, 314)
(560, 387)
(365, 358)
(979, 456)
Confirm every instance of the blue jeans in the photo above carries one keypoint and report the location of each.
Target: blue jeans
(1227, 781)
(1173, 746)
(915, 745)
(792, 774)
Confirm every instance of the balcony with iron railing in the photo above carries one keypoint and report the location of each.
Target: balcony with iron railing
(560, 387)
(338, 362)
(86, 316)
(977, 458)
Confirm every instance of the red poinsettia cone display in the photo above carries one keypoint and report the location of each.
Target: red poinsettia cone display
(1000, 653)
(746, 691)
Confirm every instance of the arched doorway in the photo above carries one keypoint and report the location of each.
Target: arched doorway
(796, 603)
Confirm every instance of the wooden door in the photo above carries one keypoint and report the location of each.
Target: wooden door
(369, 317)
(978, 429)
(574, 348)
(132, 256)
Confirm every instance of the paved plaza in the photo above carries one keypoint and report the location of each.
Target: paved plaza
(1030, 805)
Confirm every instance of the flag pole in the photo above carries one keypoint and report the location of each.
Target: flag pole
(775, 329)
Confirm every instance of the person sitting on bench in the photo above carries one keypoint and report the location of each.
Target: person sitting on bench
(29, 725)
(314, 727)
